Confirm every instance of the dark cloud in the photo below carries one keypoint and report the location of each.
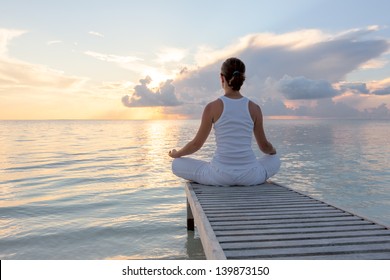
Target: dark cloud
(303, 88)
(329, 60)
(143, 96)
(359, 88)
(383, 91)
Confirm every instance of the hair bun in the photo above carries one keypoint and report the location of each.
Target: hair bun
(234, 71)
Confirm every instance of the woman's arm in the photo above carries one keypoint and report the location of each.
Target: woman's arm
(201, 136)
(258, 130)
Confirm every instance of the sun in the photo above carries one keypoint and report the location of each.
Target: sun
(158, 77)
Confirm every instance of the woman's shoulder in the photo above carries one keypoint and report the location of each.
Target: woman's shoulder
(214, 109)
(254, 110)
(216, 103)
(253, 105)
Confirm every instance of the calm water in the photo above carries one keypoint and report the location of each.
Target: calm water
(104, 190)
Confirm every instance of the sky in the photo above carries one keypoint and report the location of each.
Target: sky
(150, 59)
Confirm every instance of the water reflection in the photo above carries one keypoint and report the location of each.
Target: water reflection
(343, 162)
(194, 247)
(104, 189)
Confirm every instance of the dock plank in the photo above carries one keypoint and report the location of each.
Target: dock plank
(306, 243)
(294, 231)
(270, 221)
(323, 225)
(302, 236)
(308, 251)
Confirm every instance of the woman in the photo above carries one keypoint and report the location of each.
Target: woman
(236, 119)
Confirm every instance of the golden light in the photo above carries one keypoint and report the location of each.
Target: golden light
(146, 113)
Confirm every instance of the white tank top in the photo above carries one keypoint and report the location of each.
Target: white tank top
(233, 136)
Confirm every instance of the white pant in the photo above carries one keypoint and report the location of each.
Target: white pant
(204, 173)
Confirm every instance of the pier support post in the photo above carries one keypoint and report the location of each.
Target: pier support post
(190, 218)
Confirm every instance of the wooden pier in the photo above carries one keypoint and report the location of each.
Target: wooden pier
(270, 221)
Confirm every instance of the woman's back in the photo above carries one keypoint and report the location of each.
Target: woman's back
(235, 120)
(233, 136)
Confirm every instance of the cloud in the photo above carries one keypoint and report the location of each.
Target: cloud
(162, 67)
(121, 60)
(293, 40)
(297, 66)
(303, 88)
(272, 106)
(6, 35)
(312, 54)
(383, 91)
(374, 64)
(119, 85)
(167, 55)
(326, 60)
(143, 96)
(35, 91)
(378, 88)
(380, 112)
(53, 42)
(94, 33)
(135, 64)
(17, 75)
(359, 88)
(353, 33)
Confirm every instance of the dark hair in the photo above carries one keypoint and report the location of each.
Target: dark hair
(233, 70)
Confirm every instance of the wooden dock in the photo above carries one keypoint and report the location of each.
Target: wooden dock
(270, 221)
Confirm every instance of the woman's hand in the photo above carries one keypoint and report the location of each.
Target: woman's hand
(273, 152)
(173, 154)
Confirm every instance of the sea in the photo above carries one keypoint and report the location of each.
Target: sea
(75, 189)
